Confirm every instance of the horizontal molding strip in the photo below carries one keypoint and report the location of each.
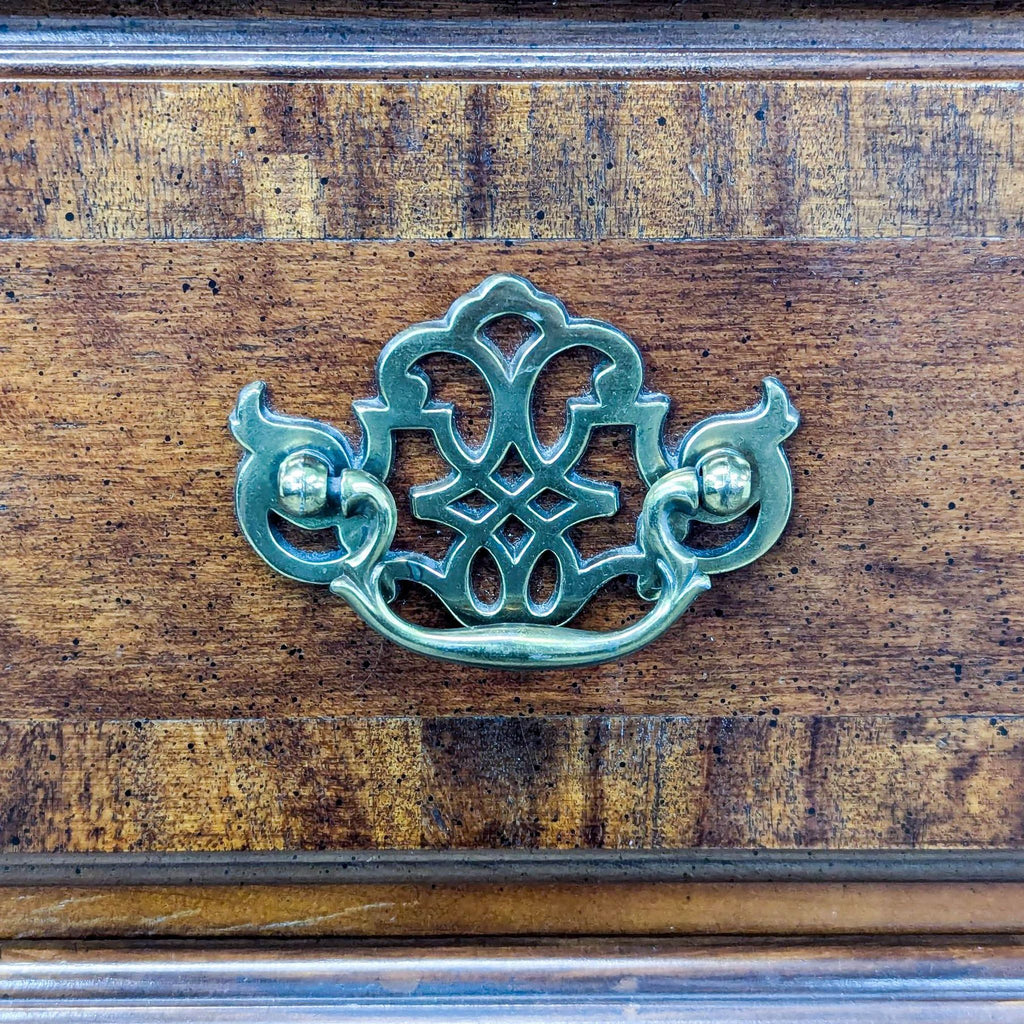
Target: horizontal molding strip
(496, 867)
(471, 48)
(712, 983)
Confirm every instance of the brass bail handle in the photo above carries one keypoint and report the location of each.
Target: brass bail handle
(306, 473)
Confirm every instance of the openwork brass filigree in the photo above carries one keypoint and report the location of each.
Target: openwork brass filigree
(308, 474)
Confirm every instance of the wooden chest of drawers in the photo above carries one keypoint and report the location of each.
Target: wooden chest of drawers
(830, 741)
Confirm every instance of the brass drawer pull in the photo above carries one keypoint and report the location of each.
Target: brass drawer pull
(308, 474)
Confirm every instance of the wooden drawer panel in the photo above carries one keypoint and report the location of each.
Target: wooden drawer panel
(167, 242)
(522, 160)
(893, 595)
(895, 589)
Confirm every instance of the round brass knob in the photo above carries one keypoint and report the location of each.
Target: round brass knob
(302, 483)
(726, 482)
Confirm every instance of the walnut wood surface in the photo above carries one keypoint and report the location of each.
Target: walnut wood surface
(869, 781)
(511, 160)
(378, 911)
(162, 690)
(859, 686)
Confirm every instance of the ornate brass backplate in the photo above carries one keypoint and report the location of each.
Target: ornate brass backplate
(308, 474)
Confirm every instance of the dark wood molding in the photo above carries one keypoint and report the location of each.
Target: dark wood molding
(504, 867)
(526, 911)
(483, 47)
(398, 895)
(682, 982)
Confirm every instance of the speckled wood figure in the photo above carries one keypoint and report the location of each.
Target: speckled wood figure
(308, 474)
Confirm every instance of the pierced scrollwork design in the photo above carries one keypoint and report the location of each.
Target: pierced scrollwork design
(306, 473)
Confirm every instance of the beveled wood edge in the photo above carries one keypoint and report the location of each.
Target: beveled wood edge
(483, 48)
(521, 910)
(499, 867)
(683, 982)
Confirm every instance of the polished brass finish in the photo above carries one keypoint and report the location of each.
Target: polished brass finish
(308, 474)
(302, 483)
(726, 482)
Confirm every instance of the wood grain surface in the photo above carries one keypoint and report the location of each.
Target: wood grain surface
(471, 782)
(517, 160)
(128, 592)
(165, 243)
(859, 686)
(438, 911)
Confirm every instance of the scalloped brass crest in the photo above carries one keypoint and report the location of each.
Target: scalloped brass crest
(306, 473)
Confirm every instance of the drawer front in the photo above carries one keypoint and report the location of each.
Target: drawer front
(169, 241)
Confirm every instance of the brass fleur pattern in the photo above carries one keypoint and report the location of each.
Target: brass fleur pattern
(510, 495)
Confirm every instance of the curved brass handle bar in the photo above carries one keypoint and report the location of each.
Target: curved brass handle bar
(521, 646)
(524, 645)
